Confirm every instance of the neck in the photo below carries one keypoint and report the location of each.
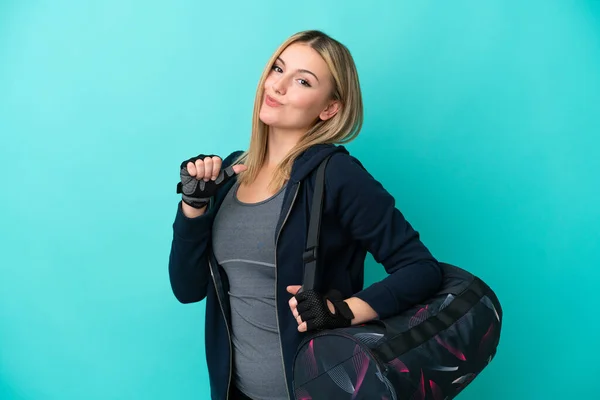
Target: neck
(279, 144)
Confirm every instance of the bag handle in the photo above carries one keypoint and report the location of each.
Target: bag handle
(311, 250)
(398, 343)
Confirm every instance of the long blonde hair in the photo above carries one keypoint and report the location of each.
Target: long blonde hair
(341, 128)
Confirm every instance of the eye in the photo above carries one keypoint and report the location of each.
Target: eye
(304, 82)
(276, 68)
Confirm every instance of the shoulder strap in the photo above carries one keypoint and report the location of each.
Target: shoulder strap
(312, 240)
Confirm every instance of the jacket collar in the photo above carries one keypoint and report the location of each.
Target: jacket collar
(310, 159)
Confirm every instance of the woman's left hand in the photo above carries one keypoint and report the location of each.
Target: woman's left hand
(315, 311)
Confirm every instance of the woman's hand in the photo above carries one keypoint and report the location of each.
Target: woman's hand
(315, 311)
(201, 176)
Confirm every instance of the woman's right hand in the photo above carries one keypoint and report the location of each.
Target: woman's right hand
(201, 177)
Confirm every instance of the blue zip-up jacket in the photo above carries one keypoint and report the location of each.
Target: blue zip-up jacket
(359, 215)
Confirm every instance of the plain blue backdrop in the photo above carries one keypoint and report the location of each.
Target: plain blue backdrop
(481, 118)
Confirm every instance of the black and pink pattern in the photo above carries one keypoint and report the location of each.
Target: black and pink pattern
(344, 363)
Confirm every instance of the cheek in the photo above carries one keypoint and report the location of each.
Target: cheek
(267, 86)
(308, 102)
(268, 82)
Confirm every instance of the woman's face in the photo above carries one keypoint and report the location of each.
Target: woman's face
(298, 89)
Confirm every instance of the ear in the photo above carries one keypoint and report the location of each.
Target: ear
(332, 109)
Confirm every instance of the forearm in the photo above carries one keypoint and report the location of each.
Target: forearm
(192, 212)
(362, 311)
(403, 288)
(188, 260)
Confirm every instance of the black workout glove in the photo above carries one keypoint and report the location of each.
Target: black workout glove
(197, 193)
(312, 308)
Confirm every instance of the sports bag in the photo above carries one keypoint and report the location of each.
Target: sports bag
(429, 352)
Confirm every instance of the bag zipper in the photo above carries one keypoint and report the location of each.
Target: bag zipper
(276, 302)
(381, 366)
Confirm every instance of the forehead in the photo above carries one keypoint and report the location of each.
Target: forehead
(302, 56)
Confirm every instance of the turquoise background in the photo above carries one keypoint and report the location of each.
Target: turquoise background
(481, 118)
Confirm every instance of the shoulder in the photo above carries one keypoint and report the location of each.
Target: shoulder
(232, 158)
(342, 160)
(349, 183)
(344, 169)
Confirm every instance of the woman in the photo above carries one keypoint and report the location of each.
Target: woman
(240, 229)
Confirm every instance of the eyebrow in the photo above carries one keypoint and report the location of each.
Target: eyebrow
(300, 70)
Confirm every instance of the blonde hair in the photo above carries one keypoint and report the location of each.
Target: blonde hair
(342, 128)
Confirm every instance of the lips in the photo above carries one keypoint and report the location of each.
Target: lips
(271, 102)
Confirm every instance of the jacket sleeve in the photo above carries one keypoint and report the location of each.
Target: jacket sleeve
(189, 272)
(188, 260)
(369, 214)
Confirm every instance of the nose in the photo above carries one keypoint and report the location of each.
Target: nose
(279, 86)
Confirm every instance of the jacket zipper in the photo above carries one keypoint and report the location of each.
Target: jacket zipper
(227, 326)
(224, 316)
(276, 302)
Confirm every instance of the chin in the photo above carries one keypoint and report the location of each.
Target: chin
(268, 118)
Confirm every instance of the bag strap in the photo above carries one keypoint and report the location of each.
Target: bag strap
(311, 250)
(397, 343)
